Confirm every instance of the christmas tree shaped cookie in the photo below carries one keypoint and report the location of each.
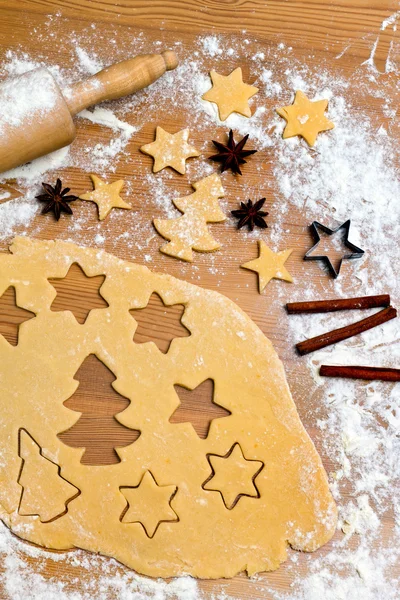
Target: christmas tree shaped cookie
(252, 477)
(45, 492)
(190, 232)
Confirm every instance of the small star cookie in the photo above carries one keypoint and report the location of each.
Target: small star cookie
(170, 150)
(305, 118)
(269, 265)
(230, 94)
(106, 196)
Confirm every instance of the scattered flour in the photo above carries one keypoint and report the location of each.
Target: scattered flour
(26, 98)
(89, 63)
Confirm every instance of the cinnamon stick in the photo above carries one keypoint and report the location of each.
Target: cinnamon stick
(322, 306)
(337, 335)
(352, 372)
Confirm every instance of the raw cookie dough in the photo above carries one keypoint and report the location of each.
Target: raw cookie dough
(230, 94)
(175, 504)
(106, 196)
(190, 232)
(305, 118)
(269, 265)
(170, 150)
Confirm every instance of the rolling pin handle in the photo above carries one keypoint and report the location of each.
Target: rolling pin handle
(121, 79)
(170, 59)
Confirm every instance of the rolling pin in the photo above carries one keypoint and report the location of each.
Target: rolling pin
(36, 116)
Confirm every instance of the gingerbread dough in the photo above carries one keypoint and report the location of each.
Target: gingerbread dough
(106, 196)
(269, 265)
(230, 94)
(175, 504)
(305, 118)
(170, 150)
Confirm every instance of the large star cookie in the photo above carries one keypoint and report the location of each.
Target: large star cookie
(269, 265)
(170, 150)
(230, 94)
(106, 196)
(305, 118)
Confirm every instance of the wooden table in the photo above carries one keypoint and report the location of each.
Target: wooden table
(339, 33)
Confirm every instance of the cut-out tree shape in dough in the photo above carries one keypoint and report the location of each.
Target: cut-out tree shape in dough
(97, 430)
(288, 503)
(12, 316)
(233, 476)
(198, 407)
(159, 323)
(78, 293)
(149, 504)
(45, 493)
(190, 232)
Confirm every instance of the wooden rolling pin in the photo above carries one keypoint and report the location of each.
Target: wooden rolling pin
(36, 116)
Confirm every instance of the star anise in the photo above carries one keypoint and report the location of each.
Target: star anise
(232, 154)
(251, 215)
(57, 201)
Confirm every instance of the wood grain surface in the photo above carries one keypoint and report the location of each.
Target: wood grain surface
(319, 32)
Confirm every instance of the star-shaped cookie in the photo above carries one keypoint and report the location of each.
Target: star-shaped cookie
(149, 504)
(269, 265)
(106, 196)
(305, 118)
(233, 476)
(230, 94)
(170, 150)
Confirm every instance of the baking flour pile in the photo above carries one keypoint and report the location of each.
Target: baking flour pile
(352, 173)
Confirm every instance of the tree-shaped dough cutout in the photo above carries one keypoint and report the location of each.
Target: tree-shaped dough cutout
(159, 323)
(97, 430)
(190, 231)
(78, 293)
(198, 407)
(45, 492)
(12, 316)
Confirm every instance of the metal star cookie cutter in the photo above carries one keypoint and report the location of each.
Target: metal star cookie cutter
(356, 252)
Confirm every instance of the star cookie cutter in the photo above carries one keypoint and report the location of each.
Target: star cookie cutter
(356, 251)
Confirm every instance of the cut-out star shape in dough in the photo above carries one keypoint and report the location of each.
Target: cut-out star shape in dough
(233, 476)
(12, 316)
(88, 298)
(269, 265)
(106, 196)
(198, 407)
(149, 504)
(305, 118)
(170, 150)
(230, 94)
(159, 323)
